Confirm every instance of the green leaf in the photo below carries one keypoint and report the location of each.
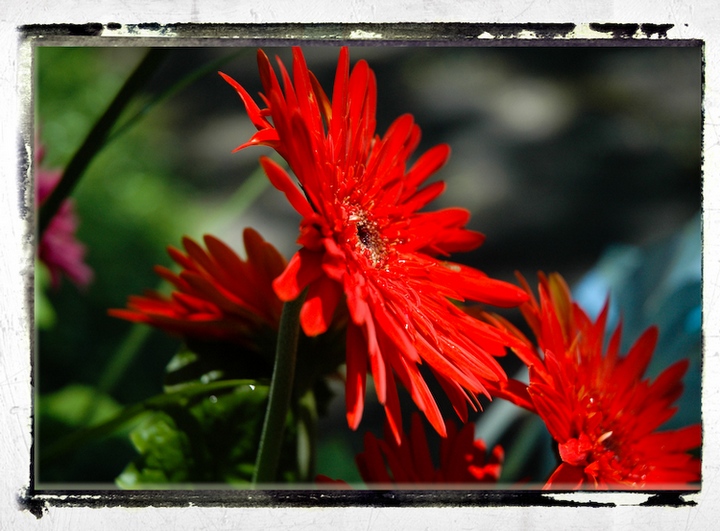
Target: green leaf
(163, 454)
(186, 368)
(69, 405)
(211, 362)
(209, 440)
(59, 416)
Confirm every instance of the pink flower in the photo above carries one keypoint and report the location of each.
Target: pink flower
(58, 249)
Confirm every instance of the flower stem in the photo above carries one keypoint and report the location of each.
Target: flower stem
(281, 388)
(177, 87)
(307, 437)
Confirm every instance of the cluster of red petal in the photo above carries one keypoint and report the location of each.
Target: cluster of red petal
(58, 249)
(463, 459)
(218, 296)
(596, 404)
(363, 238)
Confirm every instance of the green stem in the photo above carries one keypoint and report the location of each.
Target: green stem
(281, 388)
(97, 137)
(307, 437)
(242, 198)
(116, 367)
(177, 87)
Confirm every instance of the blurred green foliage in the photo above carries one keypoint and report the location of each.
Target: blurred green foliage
(67, 411)
(44, 313)
(213, 441)
(128, 204)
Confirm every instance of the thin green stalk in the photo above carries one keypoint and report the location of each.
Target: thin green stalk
(177, 87)
(307, 437)
(117, 365)
(243, 197)
(97, 136)
(517, 455)
(281, 388)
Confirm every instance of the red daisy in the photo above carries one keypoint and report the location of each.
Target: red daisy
(596, 404)
(463, 459)
(362, 237)
(58, 249)
(218, 296)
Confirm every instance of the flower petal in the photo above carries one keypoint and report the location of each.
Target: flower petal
(319, 307)
(304, 267)
(282, 182)
(356, 375)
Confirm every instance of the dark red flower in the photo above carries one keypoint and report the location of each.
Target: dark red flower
(463, 459)
(218, 296)
(363, 239)
(596, 404)
(58, 249)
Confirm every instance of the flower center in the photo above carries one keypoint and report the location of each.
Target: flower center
(603, 446)
(368, 240)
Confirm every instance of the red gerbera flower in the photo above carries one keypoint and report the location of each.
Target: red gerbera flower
(463, 459)
(596, 404)
(218, 296)
(363, 237)
(58, 249)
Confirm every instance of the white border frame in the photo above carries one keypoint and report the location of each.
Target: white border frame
(696, 20)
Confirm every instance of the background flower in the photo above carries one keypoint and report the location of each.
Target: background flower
(463, 460)
(58, 248)
(217, 296)
(227, 314)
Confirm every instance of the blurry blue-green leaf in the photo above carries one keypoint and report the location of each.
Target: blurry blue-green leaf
(523, 436)
(185, 368)
(656, 284)
(528, 454)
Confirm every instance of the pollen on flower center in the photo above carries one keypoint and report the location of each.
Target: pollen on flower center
(367, 239)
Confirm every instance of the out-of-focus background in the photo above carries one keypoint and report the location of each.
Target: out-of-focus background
(584, 161)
